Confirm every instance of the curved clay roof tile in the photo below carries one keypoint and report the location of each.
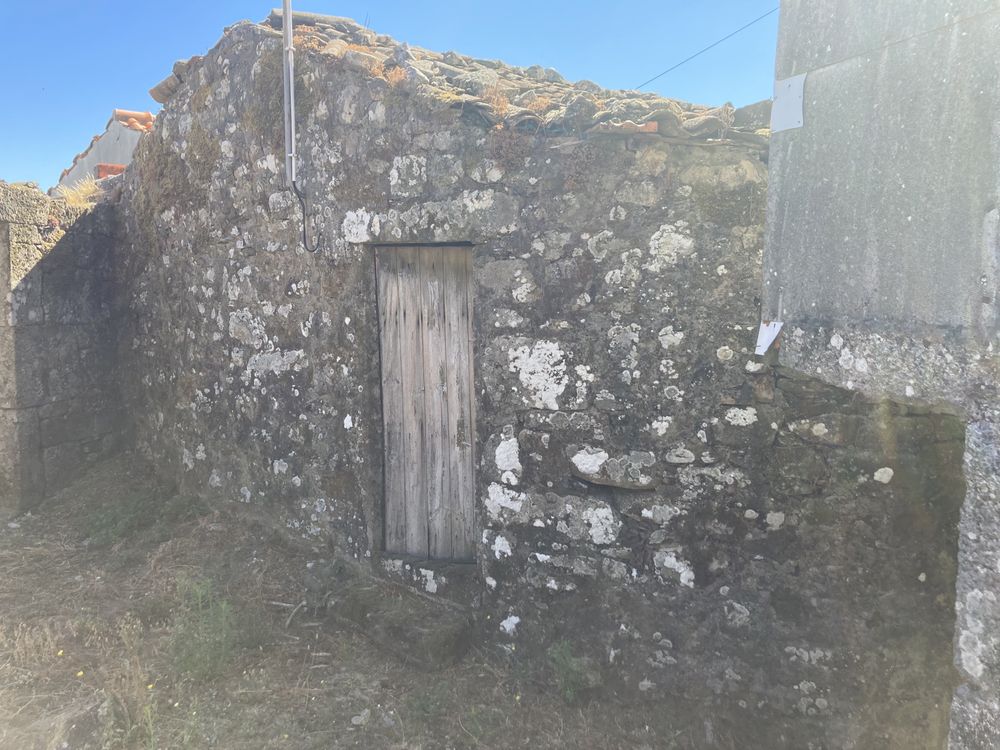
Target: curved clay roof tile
(134, 120)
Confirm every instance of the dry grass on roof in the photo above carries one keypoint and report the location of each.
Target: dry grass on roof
(83, 194)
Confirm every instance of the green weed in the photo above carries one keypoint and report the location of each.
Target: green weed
(206, 632)
(573, 674)
(147, 514)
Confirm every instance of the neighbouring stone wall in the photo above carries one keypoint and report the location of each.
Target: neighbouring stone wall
(58, 405)
(671, 515)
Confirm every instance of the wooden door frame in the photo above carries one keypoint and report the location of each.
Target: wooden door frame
(379, 545)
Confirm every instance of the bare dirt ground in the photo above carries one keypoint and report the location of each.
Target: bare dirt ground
(132, 618)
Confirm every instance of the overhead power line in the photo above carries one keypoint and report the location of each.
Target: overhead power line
(706, 49)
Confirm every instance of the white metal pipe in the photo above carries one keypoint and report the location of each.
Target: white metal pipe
(289, 81)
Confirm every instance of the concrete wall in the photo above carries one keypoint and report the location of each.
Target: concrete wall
(692, 526)
(58, 411)
(115, 146)
(882, 249)
(885, 207)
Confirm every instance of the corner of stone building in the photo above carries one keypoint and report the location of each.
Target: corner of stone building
(59, 410)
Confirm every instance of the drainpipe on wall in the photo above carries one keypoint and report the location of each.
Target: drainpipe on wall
(289, 83)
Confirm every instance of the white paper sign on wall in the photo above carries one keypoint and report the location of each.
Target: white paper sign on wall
(786, 109)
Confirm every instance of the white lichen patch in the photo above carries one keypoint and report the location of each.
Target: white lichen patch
(500, 497)
(501, 547)
(508, 460)
(661, 514)
(661, 424)
(507, 318)
(275, 362)
(542, 371)
(724, 354)
(477, 200)
(408, 174)
(524, 291)
(741, 417)
(669, 337)
(976, 639)
(430, 582)
(348, 422)
(604, 527)
(246, 328)
(883, 475)
(737, 614)
(668, 560)
(680, 455)
(487, 171)
(589, 460)
(355, 226)
(669, 243)
(509, 624)
(775, 519)
(600, 243)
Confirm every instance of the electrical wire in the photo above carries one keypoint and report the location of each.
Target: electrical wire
(706, 49)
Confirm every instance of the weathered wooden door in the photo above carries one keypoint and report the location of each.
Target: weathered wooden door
(425, 319)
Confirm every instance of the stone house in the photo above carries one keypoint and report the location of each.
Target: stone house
(517, 373)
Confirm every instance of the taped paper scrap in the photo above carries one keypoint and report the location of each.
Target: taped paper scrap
(766, 335)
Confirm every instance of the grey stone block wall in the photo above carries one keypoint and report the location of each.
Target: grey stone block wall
(58, 381)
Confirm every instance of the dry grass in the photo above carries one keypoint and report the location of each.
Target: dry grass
(498, 101)
(395, 76)
(306, 38)
(539, 104)
(83, 194)
(89, 652)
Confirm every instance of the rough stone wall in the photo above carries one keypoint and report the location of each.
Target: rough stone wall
(666, 511)
(249, 353)
(58, 408)
(797, 576)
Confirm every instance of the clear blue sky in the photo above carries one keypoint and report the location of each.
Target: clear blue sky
(65, 64)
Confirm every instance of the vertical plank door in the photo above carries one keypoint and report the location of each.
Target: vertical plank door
(425, 330)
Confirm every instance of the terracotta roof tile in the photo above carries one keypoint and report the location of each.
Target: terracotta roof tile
(108, 170)
(142, 121)
(524, 98)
